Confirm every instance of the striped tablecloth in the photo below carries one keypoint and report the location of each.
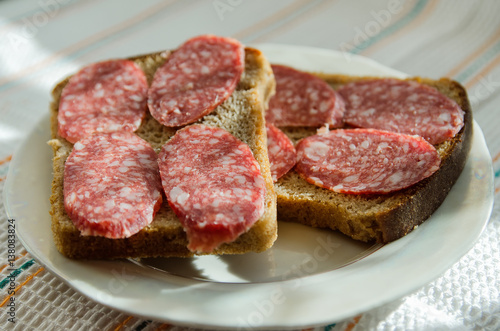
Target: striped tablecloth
(42, 41)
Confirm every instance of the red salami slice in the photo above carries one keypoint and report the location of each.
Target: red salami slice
(213, 183)
(197, 77)
(402, 106)
(302, 99)
(112, 186)
(103, 97)
(282, 154)
(365, 161)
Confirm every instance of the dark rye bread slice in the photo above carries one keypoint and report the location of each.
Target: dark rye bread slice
(242, 115)
(377, 218)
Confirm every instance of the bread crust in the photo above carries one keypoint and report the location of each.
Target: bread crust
(242, 115)
(377, 218)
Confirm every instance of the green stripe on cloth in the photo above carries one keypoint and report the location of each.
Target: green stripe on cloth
(391, 29)
(480, 62)
(16, 273)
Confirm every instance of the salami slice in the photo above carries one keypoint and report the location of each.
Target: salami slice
(213, 183)
(197, 77)
(365, 161)
(302, 99)
(402, 106)
(112, 185)
(282, 154)
(103, 97)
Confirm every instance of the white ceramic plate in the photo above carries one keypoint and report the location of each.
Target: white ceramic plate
(310, 277)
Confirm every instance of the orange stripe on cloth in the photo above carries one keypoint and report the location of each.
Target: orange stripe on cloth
(7, 159)
(493, 64)
(495, 159)
(122, 324)
(164, 327)
(419, 20)
(30, 277)
(17, 258)
(88, 41)
(273, 19)
(291, 22)
(469, 59)
(354, 322)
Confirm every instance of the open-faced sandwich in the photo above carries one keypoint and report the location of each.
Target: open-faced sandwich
(164, 154)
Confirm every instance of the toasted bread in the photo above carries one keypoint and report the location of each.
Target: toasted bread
(242, 115)
(377, 218)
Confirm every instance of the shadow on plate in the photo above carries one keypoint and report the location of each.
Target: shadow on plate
(300, 251)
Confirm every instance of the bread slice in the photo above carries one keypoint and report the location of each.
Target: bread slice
(242, 115)
(377, 218)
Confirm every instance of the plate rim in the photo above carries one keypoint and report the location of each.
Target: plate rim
(80, 287)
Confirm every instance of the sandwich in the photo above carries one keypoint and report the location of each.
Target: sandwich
(109, 198)
(376, 156)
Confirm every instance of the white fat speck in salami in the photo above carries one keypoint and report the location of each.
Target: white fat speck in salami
(216, 189)
(199, 76)
(402, 106)
(103, 97)
(365, 161)
(112, 185)
(302, 99)
(282, 154)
